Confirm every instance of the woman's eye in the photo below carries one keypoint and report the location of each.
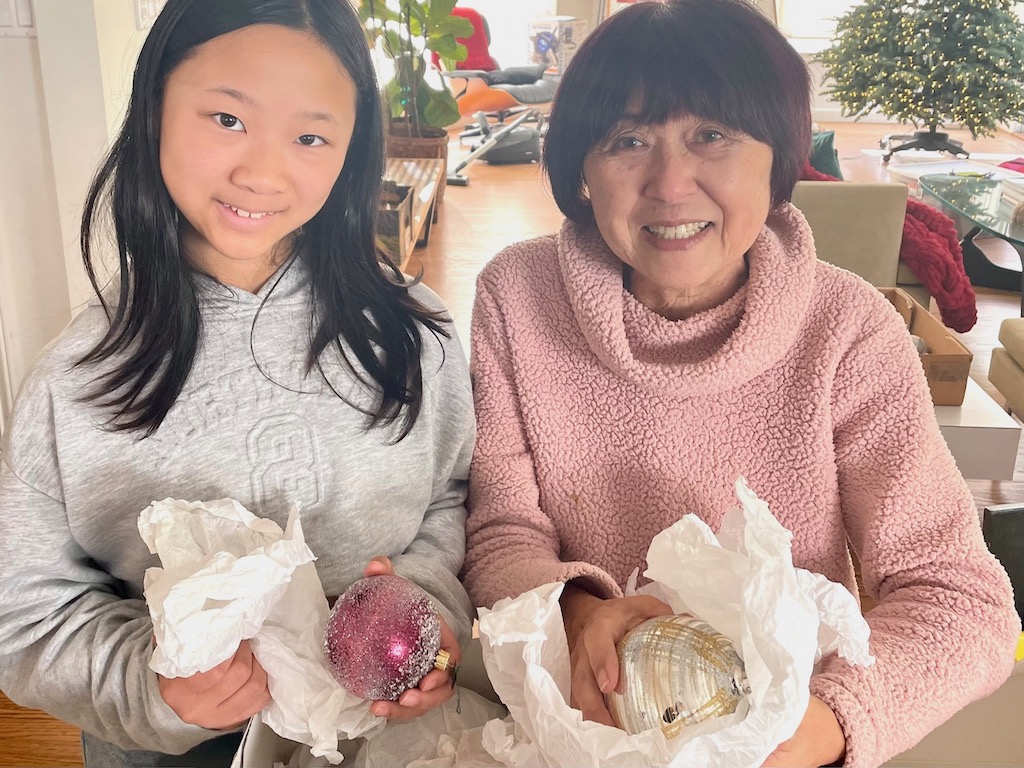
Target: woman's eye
(311, 140)
(711, 135)
(230, 122)
(627, 142)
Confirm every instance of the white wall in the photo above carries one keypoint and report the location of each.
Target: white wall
(119, 41)
(33, 283)
(87, 50)
(66, 76)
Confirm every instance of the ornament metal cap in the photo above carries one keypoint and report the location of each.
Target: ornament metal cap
(444, 661)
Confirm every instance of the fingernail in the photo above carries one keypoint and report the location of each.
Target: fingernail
(602, 681)
(380, 710)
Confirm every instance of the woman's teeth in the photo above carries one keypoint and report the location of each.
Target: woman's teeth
(679, 233)
(249, 214)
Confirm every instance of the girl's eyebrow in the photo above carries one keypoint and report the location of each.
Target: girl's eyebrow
(321, 116)
(244, 98)
(233, 94)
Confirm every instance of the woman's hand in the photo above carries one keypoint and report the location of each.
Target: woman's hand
(434, 689)
(818, 740)
(221, 698)
(593, 627)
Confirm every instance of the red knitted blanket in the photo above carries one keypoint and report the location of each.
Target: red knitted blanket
(931, 249)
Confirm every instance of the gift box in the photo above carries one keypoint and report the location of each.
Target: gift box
(947, 362)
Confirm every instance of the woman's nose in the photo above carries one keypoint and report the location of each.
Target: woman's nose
(672, 175)
(261, 169)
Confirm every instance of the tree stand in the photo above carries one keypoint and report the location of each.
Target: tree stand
(929, 140)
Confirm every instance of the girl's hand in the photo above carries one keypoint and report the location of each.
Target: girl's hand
(818, 740)
(594, 628)
(434, 689)
(222, 698)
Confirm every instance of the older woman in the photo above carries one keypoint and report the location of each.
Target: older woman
(679, 331)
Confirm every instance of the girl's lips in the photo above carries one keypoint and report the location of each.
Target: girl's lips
(245, 214)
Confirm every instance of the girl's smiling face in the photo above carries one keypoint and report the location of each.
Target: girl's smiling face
(680, 203)
(254, 131)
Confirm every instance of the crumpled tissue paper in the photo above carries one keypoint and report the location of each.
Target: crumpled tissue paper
(781, 619)
(227, 576)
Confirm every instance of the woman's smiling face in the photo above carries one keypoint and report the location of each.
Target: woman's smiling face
(680, 203)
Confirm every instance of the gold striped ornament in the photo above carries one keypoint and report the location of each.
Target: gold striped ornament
(676, 671)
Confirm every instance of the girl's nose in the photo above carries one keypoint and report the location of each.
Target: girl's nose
(261, 170)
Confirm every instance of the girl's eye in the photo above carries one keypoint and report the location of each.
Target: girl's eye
(311, 140)
(230, 122)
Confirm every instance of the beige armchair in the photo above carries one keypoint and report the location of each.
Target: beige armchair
(859, 226)
(1006, 368)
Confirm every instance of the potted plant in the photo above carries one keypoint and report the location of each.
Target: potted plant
(406, 32)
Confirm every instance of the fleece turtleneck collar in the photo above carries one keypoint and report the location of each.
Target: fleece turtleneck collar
(721, 348)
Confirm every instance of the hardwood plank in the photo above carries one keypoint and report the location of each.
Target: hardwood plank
(29, 737)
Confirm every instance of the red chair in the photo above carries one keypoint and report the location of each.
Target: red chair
(480, 85)
(478, 44)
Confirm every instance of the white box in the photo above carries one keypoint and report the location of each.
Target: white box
(554, 40)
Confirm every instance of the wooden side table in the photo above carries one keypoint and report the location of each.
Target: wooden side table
(423, 176)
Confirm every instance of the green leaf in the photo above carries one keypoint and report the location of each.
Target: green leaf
(441, 10)
(456, 26)
(394, 98)
(448, 48)
(417, 12)
(440, 109)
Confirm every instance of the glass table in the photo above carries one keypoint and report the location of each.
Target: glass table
(980, 205)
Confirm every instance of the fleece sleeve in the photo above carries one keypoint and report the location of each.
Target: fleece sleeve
(944, 630)
(434, 557)
(512, 545)
(70, 643)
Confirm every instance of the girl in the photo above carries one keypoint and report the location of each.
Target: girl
(254, 347)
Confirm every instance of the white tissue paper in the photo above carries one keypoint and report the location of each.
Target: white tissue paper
(228, 576)
(782, 620)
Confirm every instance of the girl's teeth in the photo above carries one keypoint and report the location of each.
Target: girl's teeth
(681, 232)
(247, 214)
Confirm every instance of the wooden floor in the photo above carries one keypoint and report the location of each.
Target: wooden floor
(505, 204)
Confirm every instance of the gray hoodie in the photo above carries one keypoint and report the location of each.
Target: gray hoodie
(75, 634)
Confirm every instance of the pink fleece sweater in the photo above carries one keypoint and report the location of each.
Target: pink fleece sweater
(600, 423)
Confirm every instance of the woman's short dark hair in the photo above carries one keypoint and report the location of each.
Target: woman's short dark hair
(154, 328)
(719, 60)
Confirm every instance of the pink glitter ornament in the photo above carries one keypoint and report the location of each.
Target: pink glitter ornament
(382, 638)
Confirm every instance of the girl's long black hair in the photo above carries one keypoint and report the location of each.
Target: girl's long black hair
(360, 298)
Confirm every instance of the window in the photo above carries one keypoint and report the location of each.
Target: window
(815, 19)
(810, 19)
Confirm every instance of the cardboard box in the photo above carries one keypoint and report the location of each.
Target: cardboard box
(554, 40)
(947, 364)
(394, 220)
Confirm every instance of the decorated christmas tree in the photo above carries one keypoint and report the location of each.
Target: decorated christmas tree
(930, 63)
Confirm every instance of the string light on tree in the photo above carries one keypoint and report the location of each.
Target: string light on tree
(929, 63)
